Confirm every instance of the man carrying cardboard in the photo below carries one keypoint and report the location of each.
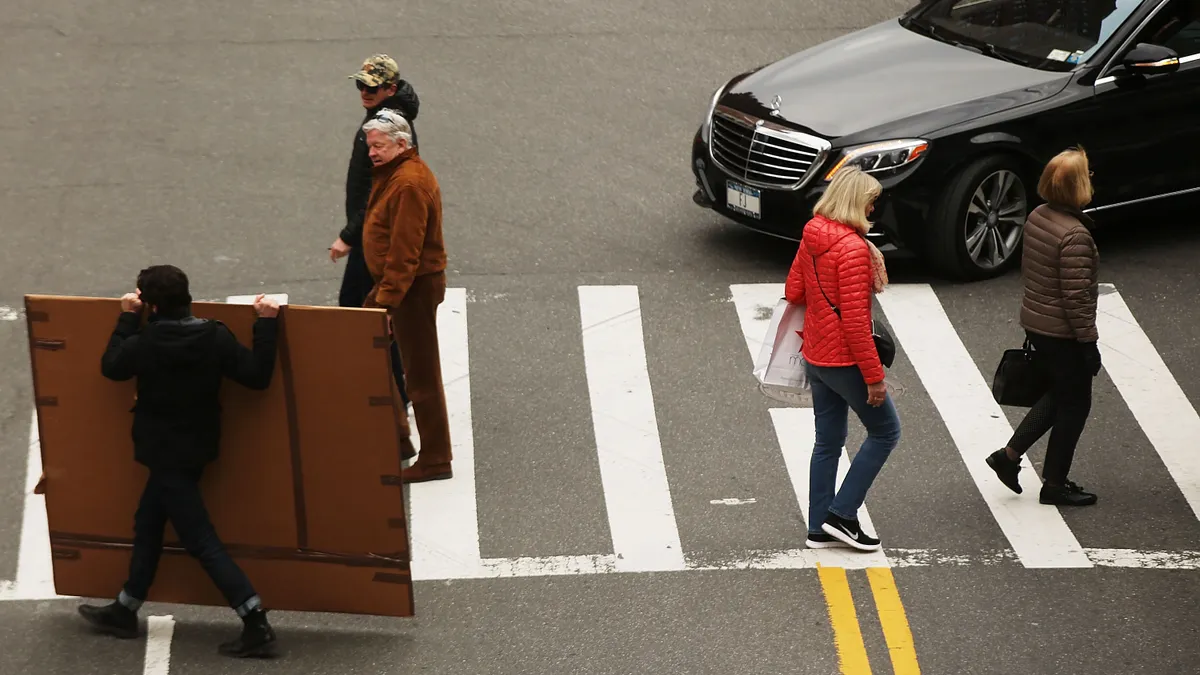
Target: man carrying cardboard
(179, 362)
(404, 251)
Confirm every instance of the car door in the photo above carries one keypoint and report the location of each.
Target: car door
(1143, 137)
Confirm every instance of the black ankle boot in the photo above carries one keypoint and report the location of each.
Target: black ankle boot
(257, 638)
(1005, 469)
(115, 619)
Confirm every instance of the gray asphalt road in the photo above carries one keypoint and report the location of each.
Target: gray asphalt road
(215, 137)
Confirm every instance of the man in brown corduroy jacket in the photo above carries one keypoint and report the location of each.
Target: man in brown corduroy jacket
(404, 251)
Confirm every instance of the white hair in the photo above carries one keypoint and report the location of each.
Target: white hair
(392, 124)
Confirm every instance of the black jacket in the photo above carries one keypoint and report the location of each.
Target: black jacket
(358, 175)
(179, 365)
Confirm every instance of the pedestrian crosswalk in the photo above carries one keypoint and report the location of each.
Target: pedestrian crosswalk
(643, 490)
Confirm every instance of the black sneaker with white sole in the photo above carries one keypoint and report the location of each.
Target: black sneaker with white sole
(823, 540)
(850, 532)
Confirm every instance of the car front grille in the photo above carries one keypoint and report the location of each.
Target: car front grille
(761, 152)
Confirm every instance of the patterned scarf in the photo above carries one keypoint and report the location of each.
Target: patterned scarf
(879, 277)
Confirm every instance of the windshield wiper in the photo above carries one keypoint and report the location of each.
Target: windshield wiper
(990, 50)
(978, 46)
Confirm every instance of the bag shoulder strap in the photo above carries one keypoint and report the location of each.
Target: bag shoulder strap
(836, 311)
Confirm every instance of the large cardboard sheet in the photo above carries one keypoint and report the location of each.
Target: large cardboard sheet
(306, 493)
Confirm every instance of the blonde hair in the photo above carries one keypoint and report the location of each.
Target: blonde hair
(1067, 179)
(847, 197)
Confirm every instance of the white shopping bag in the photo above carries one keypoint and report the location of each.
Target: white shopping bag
(779, 368)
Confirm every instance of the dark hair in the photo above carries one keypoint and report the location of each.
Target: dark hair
(166, 288)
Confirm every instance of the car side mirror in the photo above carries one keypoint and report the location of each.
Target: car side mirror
(1150, 59)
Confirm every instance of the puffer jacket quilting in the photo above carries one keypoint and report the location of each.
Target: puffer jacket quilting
(844, 267)
(1059, 273)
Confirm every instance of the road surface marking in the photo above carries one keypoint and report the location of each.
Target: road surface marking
(35, 572)
(636, 492)
(754, 304)
(733, 501)
(896, 631)
(446, 534)
(978, 426)
(843, 618)
(444, 514)
(1153, 395)
(159, 630)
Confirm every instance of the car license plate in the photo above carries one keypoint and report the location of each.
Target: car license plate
(743, 199)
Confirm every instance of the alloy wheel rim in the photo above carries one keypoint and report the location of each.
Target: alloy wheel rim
(995, 218)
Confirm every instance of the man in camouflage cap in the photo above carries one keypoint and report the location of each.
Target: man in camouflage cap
(379, 86)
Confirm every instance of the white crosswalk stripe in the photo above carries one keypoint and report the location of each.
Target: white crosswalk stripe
(636, 494)
(642, 493)
(1155, 398)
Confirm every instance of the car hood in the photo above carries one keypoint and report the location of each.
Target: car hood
(884, 75)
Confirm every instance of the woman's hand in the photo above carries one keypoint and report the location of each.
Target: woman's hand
(876, 393)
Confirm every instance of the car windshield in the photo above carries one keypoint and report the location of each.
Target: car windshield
(1046, 34)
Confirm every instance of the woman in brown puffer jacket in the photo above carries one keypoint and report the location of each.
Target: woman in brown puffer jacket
(1058, 312)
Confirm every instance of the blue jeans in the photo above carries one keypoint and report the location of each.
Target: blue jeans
(836, 390)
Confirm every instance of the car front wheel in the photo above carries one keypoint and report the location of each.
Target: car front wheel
(977, 225)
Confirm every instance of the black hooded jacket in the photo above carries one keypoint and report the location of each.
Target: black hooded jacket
(358, 175)
(179, 365)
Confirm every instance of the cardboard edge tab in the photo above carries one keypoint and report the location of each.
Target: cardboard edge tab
(391, 578)
(49, 344)
(388, 479)
(66, 554)
(36, 317)
(46, 401)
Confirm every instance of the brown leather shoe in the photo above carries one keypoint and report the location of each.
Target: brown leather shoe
(419, 473)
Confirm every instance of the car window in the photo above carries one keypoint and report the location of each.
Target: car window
(1177, 26)
(1048, 34)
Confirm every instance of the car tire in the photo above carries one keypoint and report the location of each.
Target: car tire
(971, 236)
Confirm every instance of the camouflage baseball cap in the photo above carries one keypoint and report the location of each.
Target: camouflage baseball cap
(378, 70)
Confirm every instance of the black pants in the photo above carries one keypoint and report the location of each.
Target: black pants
(174, 495)
(1064, 408)
(356, 284)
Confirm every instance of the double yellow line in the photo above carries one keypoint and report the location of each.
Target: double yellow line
(847, 633)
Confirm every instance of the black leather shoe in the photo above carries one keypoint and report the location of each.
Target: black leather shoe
(1005, 469)
(114, 619)
(1068, 494)
(257, 639)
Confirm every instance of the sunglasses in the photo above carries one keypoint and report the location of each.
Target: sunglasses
(363, 87)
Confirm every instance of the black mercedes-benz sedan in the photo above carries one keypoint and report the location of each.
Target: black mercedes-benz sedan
(955, 107)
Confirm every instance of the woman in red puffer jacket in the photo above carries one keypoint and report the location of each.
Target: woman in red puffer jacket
(836, 267)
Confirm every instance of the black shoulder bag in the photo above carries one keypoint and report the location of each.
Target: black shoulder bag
(1018, 381)
(885, 346)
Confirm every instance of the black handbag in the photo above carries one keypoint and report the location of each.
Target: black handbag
(885, 346)
(1018, 381)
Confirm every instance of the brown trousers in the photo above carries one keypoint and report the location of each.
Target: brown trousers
(414, 324)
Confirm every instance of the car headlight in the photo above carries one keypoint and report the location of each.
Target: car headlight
(879, 157)
(706, 126)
